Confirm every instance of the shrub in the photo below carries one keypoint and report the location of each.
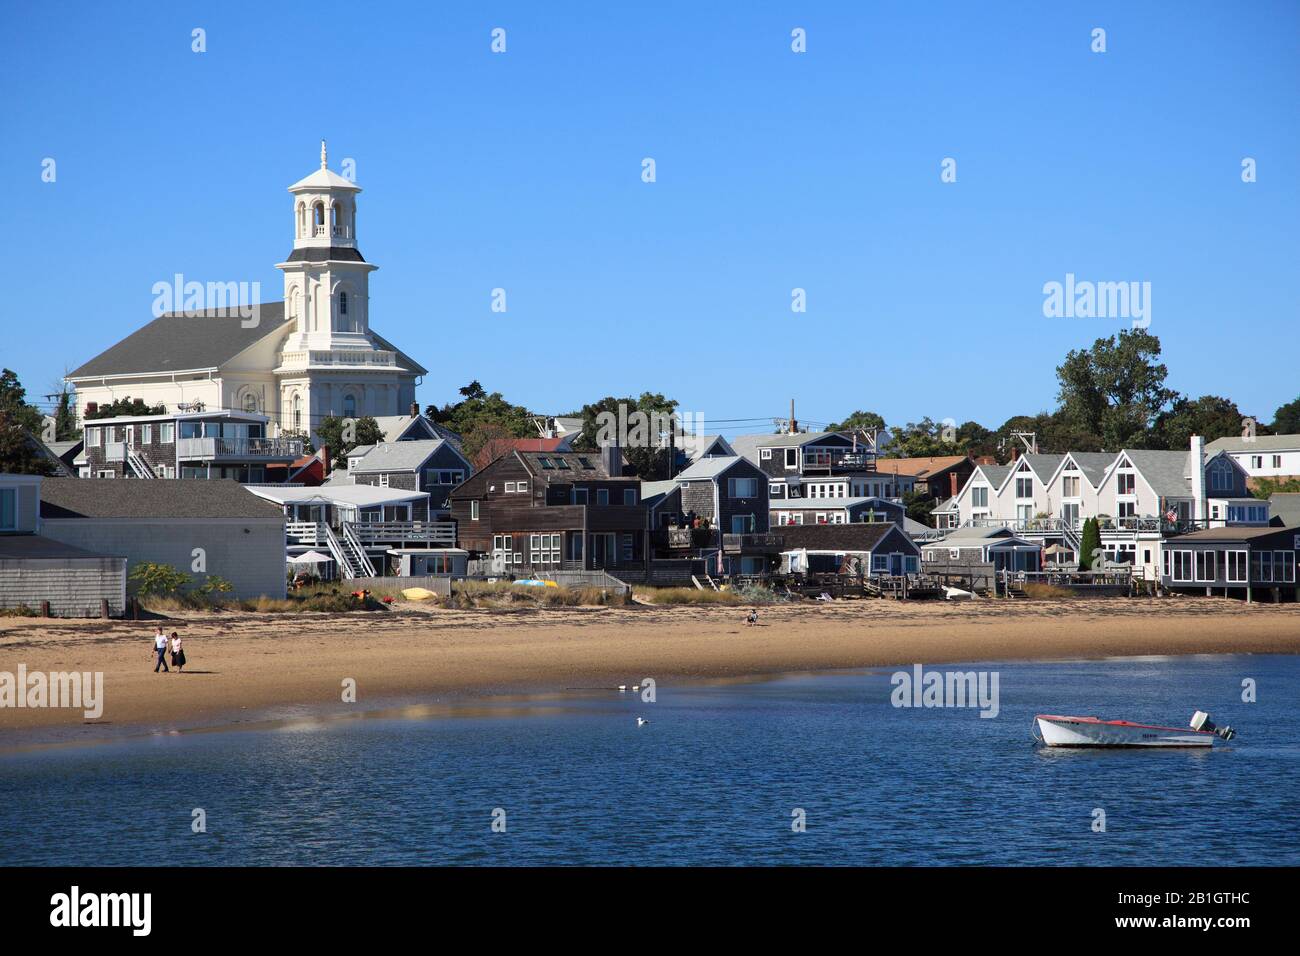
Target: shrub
(687, 596)
(157, 579)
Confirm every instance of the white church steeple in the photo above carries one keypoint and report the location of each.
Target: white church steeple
(326, 279)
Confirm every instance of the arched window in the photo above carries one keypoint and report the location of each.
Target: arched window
(318, 216)
(250, 402)
(297, 413)
(349, 406)
(302, 219)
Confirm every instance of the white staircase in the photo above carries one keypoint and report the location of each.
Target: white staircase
(138, 465)
(352, 544)
(341, 557)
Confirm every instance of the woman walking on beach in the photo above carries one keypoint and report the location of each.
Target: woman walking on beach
(178, 653)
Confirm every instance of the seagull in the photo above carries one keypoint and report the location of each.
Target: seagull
(641, 721)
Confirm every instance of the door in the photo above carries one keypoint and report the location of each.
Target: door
(895, 564)
(1070, 515)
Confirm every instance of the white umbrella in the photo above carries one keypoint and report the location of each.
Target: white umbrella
(310, 557)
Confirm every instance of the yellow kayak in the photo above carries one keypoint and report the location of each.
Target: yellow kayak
(417, 594)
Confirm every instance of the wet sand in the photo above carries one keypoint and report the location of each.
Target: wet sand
(248, 667)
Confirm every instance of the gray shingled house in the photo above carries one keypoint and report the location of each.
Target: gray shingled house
(200, 527)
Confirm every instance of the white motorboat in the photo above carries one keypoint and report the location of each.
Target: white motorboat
(1058, 731)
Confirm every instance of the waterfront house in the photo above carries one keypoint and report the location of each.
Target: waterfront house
(979, 553)
(532, 512)
(819, 465)
(1242, 562)
(37, 570)
(1263, 456)
(935, 477)
(200, 527)
(185, 445)
(432, 466)
(808, 511)
(869, 549)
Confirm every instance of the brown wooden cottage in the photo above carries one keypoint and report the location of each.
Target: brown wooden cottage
(534, 512)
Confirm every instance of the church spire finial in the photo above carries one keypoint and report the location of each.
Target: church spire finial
(323, 164)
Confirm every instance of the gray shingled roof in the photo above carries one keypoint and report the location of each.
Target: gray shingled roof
(747, 446)
(173, 343)
(397, 456)
(1044, 465)
(1093, 464)
(179, 498)
(1167, 472)
(1260, 443)
(996, 474)
(1286, 505)
(708, 468)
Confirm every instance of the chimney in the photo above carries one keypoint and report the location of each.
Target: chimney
(415, 409)
(612, 458)
(952, 482)
(324, 456)
(1015, 452)
(1198, 477)
(794, 425)
(91, 408)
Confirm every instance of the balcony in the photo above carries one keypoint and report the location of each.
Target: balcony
(752, 543)
(830, 462)
(433, 534)
(326, 358)
(684, 539)
(258, 449)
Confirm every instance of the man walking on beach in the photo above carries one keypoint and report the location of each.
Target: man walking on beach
(160, 648)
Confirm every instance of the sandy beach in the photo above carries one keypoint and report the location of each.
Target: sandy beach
(245, 667)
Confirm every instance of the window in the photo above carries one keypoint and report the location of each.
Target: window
(792, 458)
(776, 490)
(1182, 565)
(473, 510)
(109, 473)
(602, 496)
(166, 433)
(522, 487)
(579, 496)
(349, 403)
(585, 463)
(954, 554)
(146, 434)
(979, 497)
(1205, 566)
(1284, 567)
(443, 476)
(742, 488)
(1070, 486)
(1256, 461)
(343, 303)
(510, 487)
(8, 509)
(545, 463)
(1277, 461)
(297, 412)
(1127, 483)
(765, 454)
(562, 464)
(1237, 567)
(1024, 487)
(383, 481)
(1265, 564)
(1167, 570)
(92, 437)
(629, 546)
(629, 496)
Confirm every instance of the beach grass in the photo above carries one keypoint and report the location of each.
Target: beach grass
(1037, 591)
(470, 595)
(651, 595)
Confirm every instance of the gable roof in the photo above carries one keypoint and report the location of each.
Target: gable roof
(1259, 443)
(532, 460)
(1167, 472)
(176, 342)
(393, 427)
(1093, 465)
(861, 536)
(747, 446)
(706, 469)
(180, 498)
(396, 456)
(697, 448)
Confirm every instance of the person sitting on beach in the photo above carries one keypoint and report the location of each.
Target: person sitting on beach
(160, 648)
(178, 653)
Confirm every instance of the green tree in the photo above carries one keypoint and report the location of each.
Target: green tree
(918, 506)
(641, 438)
(341, 435)
(19, 422)
(1208, 416)
(1286, 420)
(478, 408)
(1089, 542)
(858, 420)
(65, 416)
(1116, 389)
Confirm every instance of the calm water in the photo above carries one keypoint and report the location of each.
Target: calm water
(711, 780)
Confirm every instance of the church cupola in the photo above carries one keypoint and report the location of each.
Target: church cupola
(326, 279)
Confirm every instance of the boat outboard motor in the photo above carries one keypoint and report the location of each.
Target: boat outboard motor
(1201, 721)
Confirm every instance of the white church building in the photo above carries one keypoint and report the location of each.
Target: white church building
(297, 362)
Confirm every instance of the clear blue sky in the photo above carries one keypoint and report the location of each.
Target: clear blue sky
(775, 170)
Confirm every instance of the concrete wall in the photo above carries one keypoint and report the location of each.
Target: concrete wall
(73, 586)
(247, 552)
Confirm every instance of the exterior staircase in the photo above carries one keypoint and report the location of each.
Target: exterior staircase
(347, 553)
(358, 553)
(139, 467)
